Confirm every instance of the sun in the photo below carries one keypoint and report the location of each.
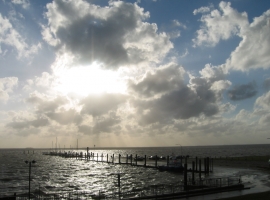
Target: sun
(89, 80)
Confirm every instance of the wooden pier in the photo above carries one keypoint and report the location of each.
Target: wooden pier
(193, 165)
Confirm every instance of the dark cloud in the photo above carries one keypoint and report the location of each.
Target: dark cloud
(181, 104)
(53, 109)
(107, 124)
(97, 105)
(85, 129)
(162, 81)
(177, 100)
(44, 104)
(26, 124)
(244, 91)
(65, 117)
(115, 35)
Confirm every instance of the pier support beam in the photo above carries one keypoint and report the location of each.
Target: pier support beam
(185, 177)
(200, 169)
(193, 171)
(145, 160)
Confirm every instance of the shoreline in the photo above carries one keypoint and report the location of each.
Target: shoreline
(257, 163)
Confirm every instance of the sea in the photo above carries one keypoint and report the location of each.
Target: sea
(54, 174)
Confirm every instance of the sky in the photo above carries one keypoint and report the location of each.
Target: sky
(142, 73)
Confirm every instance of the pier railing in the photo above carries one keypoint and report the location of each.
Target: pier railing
(197, 187)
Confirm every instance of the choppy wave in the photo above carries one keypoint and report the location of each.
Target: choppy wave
(54, 174)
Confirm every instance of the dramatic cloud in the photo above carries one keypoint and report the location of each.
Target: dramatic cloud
(180, 104)
(65, 117)
(45, 103)
(244, 91)
(26, 124)
(97, 105)
(180, 101)
(165, 79)
(115, 35)
(119, 74)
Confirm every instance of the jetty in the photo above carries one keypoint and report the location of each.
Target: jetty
(188, 187)
(198, 165)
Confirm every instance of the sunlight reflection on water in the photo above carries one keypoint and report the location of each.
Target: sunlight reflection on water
(54, 174)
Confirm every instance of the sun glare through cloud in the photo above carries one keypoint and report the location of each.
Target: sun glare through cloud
(85, 80)
(131, 71)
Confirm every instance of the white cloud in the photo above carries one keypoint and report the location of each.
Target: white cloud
(6, 87)
(253, 50)
(176, 23)
(24, 3)
(201, 10)
(10, 37)
(220, 25)
(263, 101)
(184, 54)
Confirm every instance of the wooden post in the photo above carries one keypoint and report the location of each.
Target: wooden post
(212, 164)
(131, 159)
(113, 158)
(136, 159)
(193, 170)
(200, 169)
(196, 163)
(145, 160)
(205, 170)
(87, 152)
(208, 165)
(168, 161)
(119, 159)
(185, 177)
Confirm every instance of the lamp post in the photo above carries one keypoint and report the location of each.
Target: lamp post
(30, 162)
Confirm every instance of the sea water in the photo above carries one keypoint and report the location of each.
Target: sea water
(52, 174)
